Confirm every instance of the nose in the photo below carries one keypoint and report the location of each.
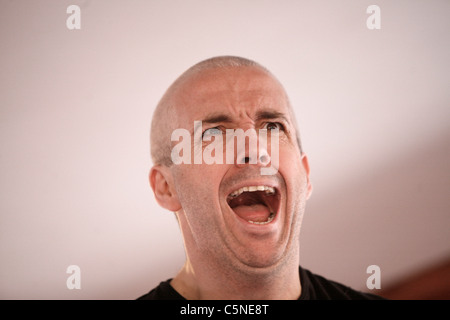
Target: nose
(251, 148)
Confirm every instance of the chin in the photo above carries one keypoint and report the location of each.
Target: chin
(257, 259)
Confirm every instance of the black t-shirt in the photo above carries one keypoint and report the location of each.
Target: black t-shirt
(314, 287)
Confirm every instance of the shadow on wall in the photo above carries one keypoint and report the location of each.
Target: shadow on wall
(432, 283)
(396, 216)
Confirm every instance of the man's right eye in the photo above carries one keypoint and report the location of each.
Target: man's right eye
(211, 132)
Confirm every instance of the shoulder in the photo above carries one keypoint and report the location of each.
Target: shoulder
(164, 291)
(316, 287)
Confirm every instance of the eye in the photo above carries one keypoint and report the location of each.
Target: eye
(273, 125)
(215, 131)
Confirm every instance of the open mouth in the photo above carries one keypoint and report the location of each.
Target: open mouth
(255, 204)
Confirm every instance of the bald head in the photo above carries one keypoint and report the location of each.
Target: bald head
(165, 118)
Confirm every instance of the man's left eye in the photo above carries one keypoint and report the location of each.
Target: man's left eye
(273, 125)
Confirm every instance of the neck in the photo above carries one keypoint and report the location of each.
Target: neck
(208, 280)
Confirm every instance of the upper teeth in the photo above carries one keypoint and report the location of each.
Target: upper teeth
(267, 189)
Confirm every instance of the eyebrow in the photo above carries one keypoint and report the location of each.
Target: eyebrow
(270, 114)
(260, 115)
(217, 117)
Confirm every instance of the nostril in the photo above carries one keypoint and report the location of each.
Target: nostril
(264, 159)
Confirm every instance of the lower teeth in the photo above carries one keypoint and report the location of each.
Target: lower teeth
(271, 216)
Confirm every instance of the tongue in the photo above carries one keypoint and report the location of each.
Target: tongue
(254, 212)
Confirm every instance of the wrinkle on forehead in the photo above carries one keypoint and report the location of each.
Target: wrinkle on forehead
(240, 91)
(231, 89)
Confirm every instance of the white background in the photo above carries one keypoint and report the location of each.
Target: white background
(75, 111)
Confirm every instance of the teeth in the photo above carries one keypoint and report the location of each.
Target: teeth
(267, 189)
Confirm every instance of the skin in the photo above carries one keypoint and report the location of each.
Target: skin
(227, 258)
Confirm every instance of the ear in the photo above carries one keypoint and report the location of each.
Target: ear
(308, 181)
(161, 181)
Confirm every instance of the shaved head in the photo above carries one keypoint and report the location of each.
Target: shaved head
(229, 240)
(165, 115)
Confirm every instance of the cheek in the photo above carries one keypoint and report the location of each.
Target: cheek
(197, 187)
(290, 160)
(295, 176)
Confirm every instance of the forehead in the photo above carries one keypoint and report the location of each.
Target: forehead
(236, 91)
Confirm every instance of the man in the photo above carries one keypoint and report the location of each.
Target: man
(240, 227)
